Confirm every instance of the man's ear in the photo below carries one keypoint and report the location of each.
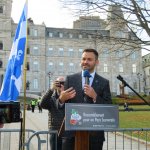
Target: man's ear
(97, 62)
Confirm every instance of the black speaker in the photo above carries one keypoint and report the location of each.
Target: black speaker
(15, 112)
(10, 112)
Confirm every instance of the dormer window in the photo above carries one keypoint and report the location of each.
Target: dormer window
(70, 36)
(61, 35)
(1, 64)
(1, 9)
(80, 36)
(1, 46)
(50, 34)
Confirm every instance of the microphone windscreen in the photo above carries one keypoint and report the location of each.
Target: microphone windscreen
(86, 73)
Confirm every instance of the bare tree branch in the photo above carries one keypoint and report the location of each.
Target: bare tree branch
(136, 17)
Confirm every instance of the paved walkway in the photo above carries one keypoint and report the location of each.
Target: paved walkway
(35, 121)
(39, 122)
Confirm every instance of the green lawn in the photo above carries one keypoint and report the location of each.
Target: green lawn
(135, 119)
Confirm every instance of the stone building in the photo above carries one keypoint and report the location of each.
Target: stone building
(52, 52)
(146, 78)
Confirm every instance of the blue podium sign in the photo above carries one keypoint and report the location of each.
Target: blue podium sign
(91, 117)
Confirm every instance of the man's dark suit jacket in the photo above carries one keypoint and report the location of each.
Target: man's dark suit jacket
(101, 87)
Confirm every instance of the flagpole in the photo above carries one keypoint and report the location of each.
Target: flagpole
(13, 76)
(24, 81)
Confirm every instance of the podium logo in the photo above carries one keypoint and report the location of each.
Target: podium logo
(75, 117)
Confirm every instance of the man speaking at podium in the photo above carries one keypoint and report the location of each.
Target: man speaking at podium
(85, 87)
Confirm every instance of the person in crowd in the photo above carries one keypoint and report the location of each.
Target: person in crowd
(126, 108)
(39, 105)
(55, 115)
(33, 104)
(76, 89)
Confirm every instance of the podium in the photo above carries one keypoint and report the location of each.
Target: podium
(81, 140)
(84, 118)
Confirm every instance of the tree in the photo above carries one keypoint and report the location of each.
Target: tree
(136, 16)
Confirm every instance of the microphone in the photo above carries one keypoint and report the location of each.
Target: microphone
(86, 75)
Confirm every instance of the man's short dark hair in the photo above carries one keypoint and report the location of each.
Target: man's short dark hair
(91, 50)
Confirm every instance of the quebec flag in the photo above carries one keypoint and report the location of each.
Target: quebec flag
(13, 77)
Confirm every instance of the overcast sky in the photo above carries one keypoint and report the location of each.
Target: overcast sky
(50, 12)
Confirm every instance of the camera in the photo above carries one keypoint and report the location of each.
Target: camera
(10, 112)
(59, 83)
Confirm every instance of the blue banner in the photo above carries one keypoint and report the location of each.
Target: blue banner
(13, 77)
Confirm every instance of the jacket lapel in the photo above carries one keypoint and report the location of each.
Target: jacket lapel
(79, 90)
(95, 81)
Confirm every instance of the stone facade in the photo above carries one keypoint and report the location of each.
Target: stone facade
(146, 68)
(52, 52)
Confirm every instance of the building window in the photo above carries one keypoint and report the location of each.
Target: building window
(80, 36)
(61, 52)
(90, 36)
(35, 83)
(80, 52)
(1, 64)
(71, 53)
(119, 53)
(61, 35)
(61, 67)
(35, 50)
(135, 85)
(1, 46)
(28, 66)
(105, 68)
(50, 67)
(28, 85)
(35, 66)
(105, 52)
(120, 68)
(134, 68)
(70, 36)
(120, 34)
(28, 50)
(71, 67)
(50, 51)
(50, 34)
(133, 55)
(1, 9)
(35, 32)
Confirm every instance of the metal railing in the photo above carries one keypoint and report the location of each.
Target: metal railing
(43, 140)
(127, 139)
(10, 138)
(116, 139)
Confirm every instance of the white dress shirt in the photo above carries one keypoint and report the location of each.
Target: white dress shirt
(90, 79)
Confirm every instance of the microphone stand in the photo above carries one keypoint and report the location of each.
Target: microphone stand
(119, 77)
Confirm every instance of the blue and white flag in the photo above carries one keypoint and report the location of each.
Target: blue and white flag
(13, 77)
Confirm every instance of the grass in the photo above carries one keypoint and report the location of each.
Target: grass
(136, 107)
(135, 119)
